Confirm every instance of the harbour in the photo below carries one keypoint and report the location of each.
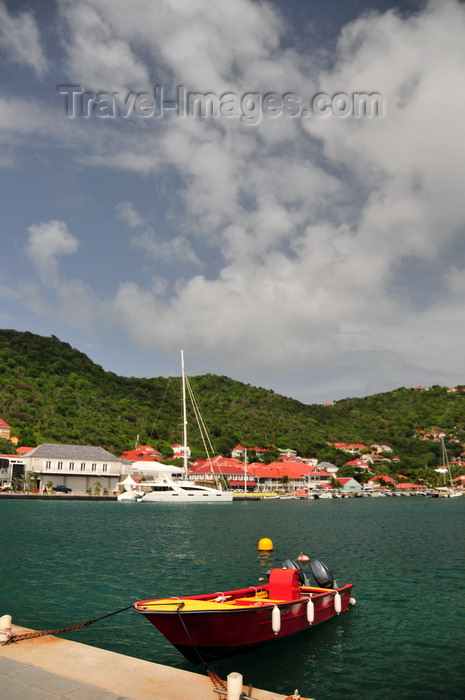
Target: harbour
(64, 562)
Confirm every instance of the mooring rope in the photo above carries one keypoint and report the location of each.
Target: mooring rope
(43, 633)
(219, 684)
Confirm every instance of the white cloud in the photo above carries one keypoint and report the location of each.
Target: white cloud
(20, 40)
(311, 227)
(98, 57)
(126, 212)
(187, 40)
(177, 249)
(66, 299)
(292, 270)
(47, 241)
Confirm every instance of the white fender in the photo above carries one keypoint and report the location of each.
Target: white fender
(352, 601)
(276, 619)
(5, 629)
(337, 603)
(310, 611)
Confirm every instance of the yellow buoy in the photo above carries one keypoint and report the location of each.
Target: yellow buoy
(265, 544)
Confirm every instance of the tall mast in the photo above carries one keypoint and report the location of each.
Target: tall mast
(184, 414)
(445, 461)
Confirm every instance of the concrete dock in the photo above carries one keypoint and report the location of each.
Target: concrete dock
(49, 667)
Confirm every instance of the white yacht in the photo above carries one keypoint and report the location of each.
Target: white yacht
(170, 484)
(168, 489)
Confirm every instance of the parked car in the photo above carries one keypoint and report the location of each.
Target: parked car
(62, 489)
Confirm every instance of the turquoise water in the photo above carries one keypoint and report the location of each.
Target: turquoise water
(66, 562)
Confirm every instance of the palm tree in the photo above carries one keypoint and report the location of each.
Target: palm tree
(33, 478)
(97, 487)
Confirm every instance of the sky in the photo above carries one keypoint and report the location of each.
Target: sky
(275, 186)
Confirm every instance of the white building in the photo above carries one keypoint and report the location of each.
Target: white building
(178, 451)
(11, 469)
(78, 467)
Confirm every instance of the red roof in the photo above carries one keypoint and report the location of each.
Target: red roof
(144, 453)
(383, 477)
(278, 470)
(217, 469)
(3, 424)
(219, 465)
(343, 445)
(218, 461)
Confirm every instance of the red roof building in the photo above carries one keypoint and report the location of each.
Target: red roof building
(352, 448)
(214, 469)
(144, 453)
(23, 450)
(357, 463)
(347, 483)
(4, 430)
(298, 474)
(382, 478)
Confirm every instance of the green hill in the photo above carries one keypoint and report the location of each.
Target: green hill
(51, 392)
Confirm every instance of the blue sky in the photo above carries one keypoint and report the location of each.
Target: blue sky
(305, 233)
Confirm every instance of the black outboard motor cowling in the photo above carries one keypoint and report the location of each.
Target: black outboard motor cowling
(291, 564)
(322, 574)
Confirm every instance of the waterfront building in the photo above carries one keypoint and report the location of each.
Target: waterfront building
(82, 468)
(12, 470)
(204, 471)
(347, 484)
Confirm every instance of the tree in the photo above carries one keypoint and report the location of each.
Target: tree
(361, 475)
(7, 447)
(33, 478)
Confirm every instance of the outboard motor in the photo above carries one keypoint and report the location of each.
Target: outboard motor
(290, 564)
(322, 574)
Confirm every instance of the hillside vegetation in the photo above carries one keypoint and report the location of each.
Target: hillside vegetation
(50, 392)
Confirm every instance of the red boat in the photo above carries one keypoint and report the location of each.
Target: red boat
(216, 625)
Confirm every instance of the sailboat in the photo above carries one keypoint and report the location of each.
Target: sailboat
(446, 491)
(168, 486)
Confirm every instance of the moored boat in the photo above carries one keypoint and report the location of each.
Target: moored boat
(444, 468)
(170, 484)
(166, 488)
(215, 625)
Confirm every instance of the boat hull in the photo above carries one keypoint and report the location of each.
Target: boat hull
(177, 496)
(209, 634)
